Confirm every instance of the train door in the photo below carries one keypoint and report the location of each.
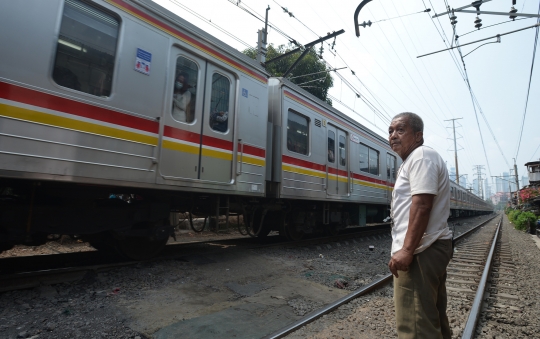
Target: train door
(390, 175)
(181, 142)
(337, 173)
(217, 129)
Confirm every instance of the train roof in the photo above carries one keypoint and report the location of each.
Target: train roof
(326, 106)
(170, 17)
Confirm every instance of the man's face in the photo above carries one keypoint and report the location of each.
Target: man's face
(401, 137)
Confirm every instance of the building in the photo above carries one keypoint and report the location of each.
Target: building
(487, 189)
(475, 187)
(452, 174)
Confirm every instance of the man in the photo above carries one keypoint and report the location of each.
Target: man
(421, 239)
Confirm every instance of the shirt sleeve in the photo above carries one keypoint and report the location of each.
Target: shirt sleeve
(424, 177)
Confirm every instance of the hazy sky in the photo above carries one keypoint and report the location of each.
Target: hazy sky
(389, 74)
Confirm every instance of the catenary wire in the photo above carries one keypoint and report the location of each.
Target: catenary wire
(408, 73)
(208, 21)
(529, 86)
(474, 107)
(500, 23)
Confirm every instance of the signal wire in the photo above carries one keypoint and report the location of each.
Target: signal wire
(529, 87)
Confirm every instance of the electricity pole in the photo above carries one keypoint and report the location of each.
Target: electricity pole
(455, 147)
(479, 173)
(517, 181)
(263, 40)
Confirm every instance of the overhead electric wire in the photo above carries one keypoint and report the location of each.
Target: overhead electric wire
(500, 23)
(382, 114)
(352, 110)
(208, 21)
(529, 86)
(423, 64)
(251, 12)
(467, 83)
(537, 148)
(474, 107)
(406, 70)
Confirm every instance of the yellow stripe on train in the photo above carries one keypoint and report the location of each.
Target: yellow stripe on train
(72, 124)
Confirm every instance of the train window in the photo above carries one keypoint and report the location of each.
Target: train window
(86, 49)
(342, 151)
(369, 160)
(219, 101)
(331, 146)
(297, 133)
(390, 167)
(185, 84)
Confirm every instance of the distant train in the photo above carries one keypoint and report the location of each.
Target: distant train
(121, 98)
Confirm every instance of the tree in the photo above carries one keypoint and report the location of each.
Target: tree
(311, 63)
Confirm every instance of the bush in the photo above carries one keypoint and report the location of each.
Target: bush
(513, 215)
(524, 219)
(507, 210)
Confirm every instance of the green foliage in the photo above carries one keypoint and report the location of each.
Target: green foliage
(513, 215)
(308, 65)
(524, 219)
(507, 210)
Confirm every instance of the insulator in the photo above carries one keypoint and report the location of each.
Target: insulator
(453, 20)
(478, 23)
(512, 11)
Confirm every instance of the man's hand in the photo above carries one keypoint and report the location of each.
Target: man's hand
(400, 261)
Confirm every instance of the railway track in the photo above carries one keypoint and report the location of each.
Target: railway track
(479, 246)
(32, 271)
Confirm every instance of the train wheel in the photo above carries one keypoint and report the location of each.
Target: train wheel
(332, 229)
(292, 233)
(140, 248)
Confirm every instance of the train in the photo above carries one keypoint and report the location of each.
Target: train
(115, 113)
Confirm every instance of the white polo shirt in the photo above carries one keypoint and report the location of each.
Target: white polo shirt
(423, 172)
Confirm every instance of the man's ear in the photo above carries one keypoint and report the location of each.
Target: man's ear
(419, 136)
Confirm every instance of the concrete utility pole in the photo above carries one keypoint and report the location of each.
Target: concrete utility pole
(517, 181)
(455, 147)
(263, 40)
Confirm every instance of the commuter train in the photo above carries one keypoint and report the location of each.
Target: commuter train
(121, 98)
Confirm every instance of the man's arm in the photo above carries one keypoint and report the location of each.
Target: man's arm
(418, 220)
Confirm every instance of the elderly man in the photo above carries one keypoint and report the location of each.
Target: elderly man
(421, 239)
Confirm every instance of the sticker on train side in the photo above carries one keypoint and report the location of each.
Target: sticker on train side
(143, 61)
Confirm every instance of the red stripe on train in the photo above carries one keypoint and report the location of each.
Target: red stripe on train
(180, 134)
(302, 163)
(56, 103)
(258, 152)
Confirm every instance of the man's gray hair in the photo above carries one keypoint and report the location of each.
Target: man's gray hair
(414, 121)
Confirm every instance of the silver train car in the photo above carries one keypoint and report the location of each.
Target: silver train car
(101, 99)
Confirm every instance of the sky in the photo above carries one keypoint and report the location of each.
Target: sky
(389, 75)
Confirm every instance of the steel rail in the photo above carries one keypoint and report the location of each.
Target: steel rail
(474, 314)
(366, 289)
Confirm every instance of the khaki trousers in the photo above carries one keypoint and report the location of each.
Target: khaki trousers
(420, 294)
